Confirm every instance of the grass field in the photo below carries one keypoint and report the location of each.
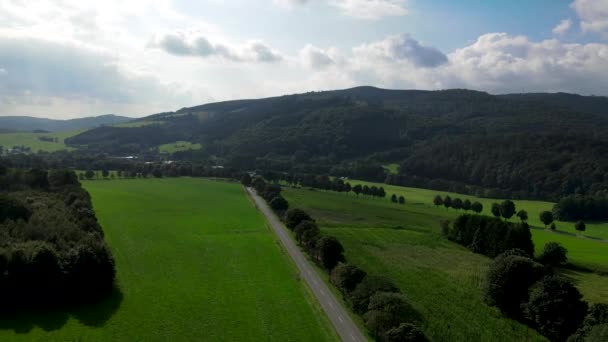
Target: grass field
(179, 146)
(443, 280)
(195, 262)
(31, 140)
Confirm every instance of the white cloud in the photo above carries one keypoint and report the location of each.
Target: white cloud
(593, 15)
(195, 44)
(401, 48)
(562, 27)
(316, 58)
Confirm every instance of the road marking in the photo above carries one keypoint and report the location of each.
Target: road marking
(353, 337)
(331, 305)
(340, 318)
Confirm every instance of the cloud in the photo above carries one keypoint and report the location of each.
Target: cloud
(402, 48)
(562, 27)
(316, 58)
(197, 45)
(361, 9)
(593, 15)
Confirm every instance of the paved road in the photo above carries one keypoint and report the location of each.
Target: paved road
(344, 325)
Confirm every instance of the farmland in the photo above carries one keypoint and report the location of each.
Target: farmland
(442, 280)
(195, 261)
(178, 146)
(32, 140)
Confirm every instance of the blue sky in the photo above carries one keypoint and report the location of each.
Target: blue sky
(71, 58)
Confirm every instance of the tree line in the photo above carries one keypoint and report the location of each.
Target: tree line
(386, 312)
(457, 203)
(572, 208)
(52, 249)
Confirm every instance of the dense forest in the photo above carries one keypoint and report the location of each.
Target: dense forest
(52, 249)
(541, 146)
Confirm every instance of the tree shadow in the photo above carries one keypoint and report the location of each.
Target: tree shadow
(91, 313)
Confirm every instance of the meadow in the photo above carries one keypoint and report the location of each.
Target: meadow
(31, 140)
(443, 280)
(178, 146)
(195, 261)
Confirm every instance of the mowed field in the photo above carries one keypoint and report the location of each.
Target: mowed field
(195, 262)
(31, 140)
(443, 280)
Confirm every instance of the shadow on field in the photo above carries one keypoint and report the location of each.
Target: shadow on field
(95, 313)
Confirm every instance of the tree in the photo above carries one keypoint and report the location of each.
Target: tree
(447, 201)
(437, 201)
(105, 173)
(346, 277)
(457, 204)
(357, 189)
(523, 215)
(401, 199)
(477, 207)
(405, 332)
(359, 298)
(329, 252)
(246, 179)
(546, 217)
(496, 209)
(508, 279)
(580, 226)
(89, 174)
(295, 216)
(553, 254)
(394, 198)
(302, 228)
(555, 307)
(279, 204)
(507, 209)
(553, 226)
(381, 192)
(387, 310)
(466, 204)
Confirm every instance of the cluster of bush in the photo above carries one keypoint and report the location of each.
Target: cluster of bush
(489, 235)
(52, 249)
(528, 290)
(387, 312)
(457, 204)
(572, 208)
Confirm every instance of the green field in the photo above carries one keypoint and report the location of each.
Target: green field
(443, 280)
(195, 262)
(139, 123)
(178, 146)
(31, 140)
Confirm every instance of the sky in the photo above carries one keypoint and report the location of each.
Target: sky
(71, 58)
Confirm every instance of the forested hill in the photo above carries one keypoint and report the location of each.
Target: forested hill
(29, 124)
(531, 145)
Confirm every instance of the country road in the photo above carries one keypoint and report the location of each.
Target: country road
(344, 325)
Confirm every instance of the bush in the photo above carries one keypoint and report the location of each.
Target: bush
(346, 277)
(405, 332)
(555, 307)
(508, 279)
(359, 298)
(595, 325)
(553, 254)
(279, 204)
(387, 310)
(295, 216)
(546, 217)
(329, 252)
(580, 226)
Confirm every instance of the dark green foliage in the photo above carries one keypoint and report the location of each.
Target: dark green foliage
(595, 325)
(387, 310)
(508, 279)
(360, 297)
(401, 200)
(447, 201)
(490, 236)
(477, 207)
(405, 332)
(346, 277)
(555, 308)
(466, 204)
(246, 179)
(457, 204)
(523, 215)
(496, 209)
(11, 209)
(303, 232)
(295, 216)
(507, 209)
(279, 204)
(553, 226)
(89, 174)
(546, 217)
(580, 226)
(329, 252)
(357, 189)
(270, 191)
(437, 201)
(572, 208)
(553, 254)
(394, 198)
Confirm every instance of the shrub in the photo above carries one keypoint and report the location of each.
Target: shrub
(553, 254)
(359, 298)
(508, 279)
(580, 226)
(295, 216)
(405, 332)
(555, 307)
(595, 325)
(329, 252)
(387, 310)
(546, 217)
(346, 277)
(279, 204)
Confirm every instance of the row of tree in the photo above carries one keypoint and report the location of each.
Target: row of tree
(457, 203)
(571, 208)
(528, 290)
(51, 247)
